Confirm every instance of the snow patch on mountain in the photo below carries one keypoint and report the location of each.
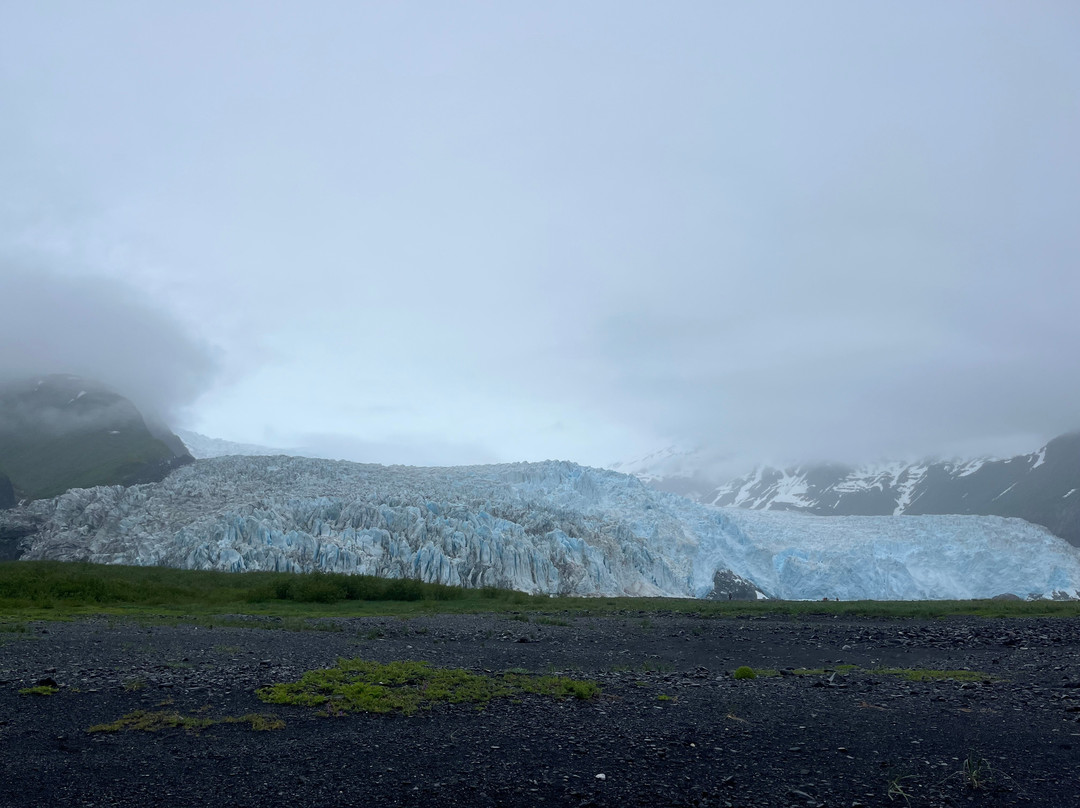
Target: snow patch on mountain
(790, 490)
(908, 481)
(970, 467)
(1039, 458)
(550, 527)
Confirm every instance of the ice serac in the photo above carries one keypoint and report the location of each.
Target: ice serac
(550, 527)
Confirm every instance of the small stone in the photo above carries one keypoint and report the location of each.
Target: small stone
(601, 776)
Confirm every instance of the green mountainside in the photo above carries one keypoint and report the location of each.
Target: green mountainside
(61, 432)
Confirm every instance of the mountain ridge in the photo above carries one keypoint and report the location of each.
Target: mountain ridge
(1042, 487)
(59, 432)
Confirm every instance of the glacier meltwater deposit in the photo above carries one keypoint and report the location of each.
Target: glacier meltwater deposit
(551, 527)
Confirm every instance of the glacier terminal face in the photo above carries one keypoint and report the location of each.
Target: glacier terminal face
(906, 558)
(552, 527)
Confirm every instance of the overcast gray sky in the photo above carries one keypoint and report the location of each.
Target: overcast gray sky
(464, 232)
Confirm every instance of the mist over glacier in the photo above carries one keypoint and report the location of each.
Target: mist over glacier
(551, 527)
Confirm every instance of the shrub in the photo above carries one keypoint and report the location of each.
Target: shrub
(318, 588)
(745, 672)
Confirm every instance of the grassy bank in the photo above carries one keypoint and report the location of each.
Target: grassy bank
(36, 590)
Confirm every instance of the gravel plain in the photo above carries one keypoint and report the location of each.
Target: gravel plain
(672, 726)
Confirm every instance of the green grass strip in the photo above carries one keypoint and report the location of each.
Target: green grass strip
(56, 590)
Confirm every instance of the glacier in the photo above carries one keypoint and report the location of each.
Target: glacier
(552, 528)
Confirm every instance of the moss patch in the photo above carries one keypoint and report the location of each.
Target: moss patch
(39, 690)
(924, 675)
(911, 674)
(360, 686)
(154, 720)
(823, 671)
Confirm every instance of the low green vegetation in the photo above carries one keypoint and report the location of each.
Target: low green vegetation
(823, 671)
(357, 685)
(898, 788)
(648, 666)
(39, 690)
(155, 720)
(70, 586)
(551, 621)
(924, 675)
(746, 672)
(911, 674)
(977, 773)
(54, 590)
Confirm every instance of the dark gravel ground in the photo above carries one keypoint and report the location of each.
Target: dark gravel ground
(672, 727)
